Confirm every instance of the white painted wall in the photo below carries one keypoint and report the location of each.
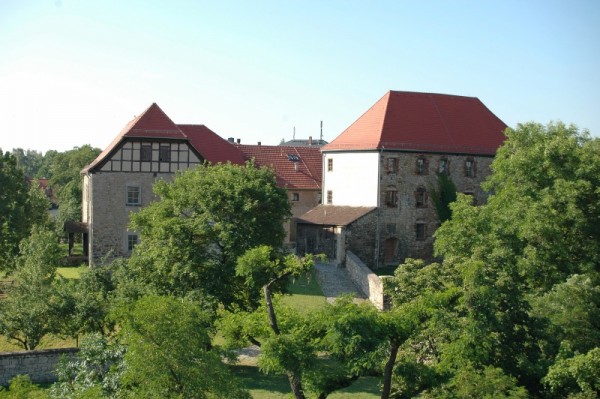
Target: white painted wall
(354, 178)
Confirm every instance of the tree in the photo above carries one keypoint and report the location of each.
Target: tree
(94, 372)
(20, 208)
(575, 377)
(264, 269)
(539, 227)
(65, 171)
(169, 352)
(29, 311)
(21, 387)
(203, 221)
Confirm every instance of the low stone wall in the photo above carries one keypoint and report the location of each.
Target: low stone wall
(367, 281)
(38, 364)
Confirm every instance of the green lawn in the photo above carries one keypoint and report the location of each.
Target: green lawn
(276, 386)
(71, 271)
(306, 294)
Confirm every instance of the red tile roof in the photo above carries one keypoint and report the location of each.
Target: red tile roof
(424, 122)
(213, 147)
(295, 167)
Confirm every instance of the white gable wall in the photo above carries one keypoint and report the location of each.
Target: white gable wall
(353, 180)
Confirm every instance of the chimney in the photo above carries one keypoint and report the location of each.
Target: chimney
(239, 141)
(296, 166)
(309, 140)
(231, 140)
(259, 143)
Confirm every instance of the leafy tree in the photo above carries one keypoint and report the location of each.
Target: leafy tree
(65, 169)
(265, 269)
(204, 220)
(168, 352)
(540, 226)
(575, 377)
(27, 314)
(94, 372)
(29, 161)
(21, 387)
(20, 208)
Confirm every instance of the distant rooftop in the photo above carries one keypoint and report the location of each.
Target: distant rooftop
(305, 143)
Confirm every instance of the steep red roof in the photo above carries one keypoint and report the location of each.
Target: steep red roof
(212, 147)
(424, 122)
(152, 123)
(295, 167)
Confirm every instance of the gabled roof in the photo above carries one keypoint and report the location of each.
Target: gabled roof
(295, 167)
(153, 123)
(305, 142)
(213, 147)
(424, 122)
(334, 215)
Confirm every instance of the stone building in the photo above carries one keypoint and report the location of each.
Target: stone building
(389, 159)
(152, 147)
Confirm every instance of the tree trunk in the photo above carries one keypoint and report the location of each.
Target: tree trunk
(389, 368)
(271, 310)
(296, 385)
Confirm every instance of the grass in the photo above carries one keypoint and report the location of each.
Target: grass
(276, 386)
(306, 295)
(71, 271)
(48, 342)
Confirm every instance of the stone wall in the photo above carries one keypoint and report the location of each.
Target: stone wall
(38, 364)
(109, 212)
(397, 227)
(368, 282)
(360, 238)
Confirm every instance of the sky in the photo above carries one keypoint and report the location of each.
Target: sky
(75, 72)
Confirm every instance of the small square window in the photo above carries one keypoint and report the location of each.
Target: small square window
(391, 228)
(330, 197)
(146, 153)
(330, 165)
(295, 196)
(420, 231)
(132, 241)
(133, 195)
(164, 154)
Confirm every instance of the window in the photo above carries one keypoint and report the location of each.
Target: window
(295, 196)
(392, 165)
(133, 195)
(330, 164)
(146, 153)
(391, 198)
(132, 240)
(421, 197)
(164, 154)
(330, 197)
(469, 168)
(420, 231)
(443, 168)
(391, 228)
(421, 166)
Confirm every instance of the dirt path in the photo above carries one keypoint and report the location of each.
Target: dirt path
(334, 281)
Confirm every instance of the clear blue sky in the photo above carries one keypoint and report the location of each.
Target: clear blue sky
(75, 72)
